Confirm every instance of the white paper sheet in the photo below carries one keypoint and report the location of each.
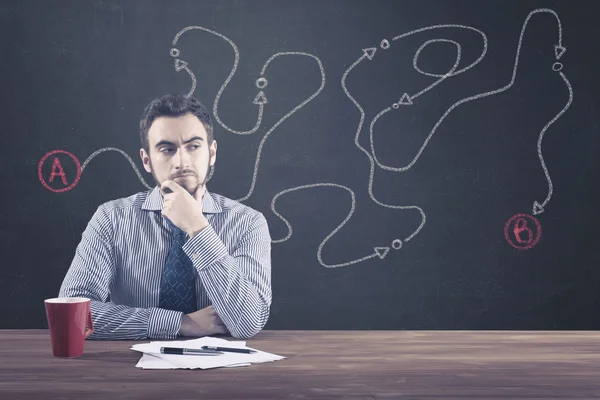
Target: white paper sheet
(149, 361)
(152, 358)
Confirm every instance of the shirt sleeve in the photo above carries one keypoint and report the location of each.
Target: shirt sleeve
(91, 275)
(238, 284)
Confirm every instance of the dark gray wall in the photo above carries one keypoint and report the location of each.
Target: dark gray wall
(433, 192)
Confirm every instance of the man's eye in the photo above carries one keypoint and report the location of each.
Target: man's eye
(167, 150)
(194, 147)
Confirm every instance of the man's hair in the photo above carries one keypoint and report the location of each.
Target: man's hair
(174, 106)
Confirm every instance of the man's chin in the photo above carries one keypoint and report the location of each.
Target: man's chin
(190, 187)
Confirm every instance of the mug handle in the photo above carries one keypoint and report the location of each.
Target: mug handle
(89, 329)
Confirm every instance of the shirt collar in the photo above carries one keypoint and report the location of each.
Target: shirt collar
(154, 202)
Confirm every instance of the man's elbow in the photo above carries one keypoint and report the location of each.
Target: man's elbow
(250, 326)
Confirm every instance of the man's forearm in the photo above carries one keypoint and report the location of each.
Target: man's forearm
(238, 284)
(237, 301)
(119, 322)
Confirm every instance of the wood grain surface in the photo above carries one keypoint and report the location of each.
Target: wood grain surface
(322, 365)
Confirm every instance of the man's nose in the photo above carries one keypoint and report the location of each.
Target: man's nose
(180, 159)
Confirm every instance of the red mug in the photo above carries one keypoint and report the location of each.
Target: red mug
(70, 323)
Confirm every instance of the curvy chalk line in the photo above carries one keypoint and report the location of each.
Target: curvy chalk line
(137, 172)
(260, 98)
(261, 83)
(380, 252)
(537, 207)
(368, 53)
(406, 99)
(475, 97)
(286, 116)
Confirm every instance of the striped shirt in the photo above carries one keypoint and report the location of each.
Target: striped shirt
(118, 265)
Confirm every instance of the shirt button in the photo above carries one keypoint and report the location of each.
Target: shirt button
(195, 255)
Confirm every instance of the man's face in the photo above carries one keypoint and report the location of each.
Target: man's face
(179, 151)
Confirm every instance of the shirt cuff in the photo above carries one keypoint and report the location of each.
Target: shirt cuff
(164, 324)
(205, 248)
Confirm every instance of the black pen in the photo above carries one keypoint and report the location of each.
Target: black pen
(194, 352)
(228, 349)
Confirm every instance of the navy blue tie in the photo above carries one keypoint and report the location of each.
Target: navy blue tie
(178, 281)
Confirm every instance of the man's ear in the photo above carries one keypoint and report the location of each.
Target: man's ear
(145, 160)
(213, 152)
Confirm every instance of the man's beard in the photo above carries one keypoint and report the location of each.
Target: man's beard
(195, 189)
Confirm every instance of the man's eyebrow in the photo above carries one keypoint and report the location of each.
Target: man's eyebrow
(167, 143)
(192, 139)
(164, 143)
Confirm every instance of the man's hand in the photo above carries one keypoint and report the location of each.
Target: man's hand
(202, 323)
(182, 208)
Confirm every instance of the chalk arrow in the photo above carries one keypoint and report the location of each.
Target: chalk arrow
(260, 98)
(405, 99)
(537, 208)
(370, 52)
(559, 51)
(381, 251)
(180, 64)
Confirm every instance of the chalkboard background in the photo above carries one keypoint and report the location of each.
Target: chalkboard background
(420, 192)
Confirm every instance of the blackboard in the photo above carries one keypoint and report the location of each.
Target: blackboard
(421, 164)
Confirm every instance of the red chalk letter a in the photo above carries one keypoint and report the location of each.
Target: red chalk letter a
(56, 166)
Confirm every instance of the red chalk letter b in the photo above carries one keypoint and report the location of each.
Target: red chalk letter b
(520, 226)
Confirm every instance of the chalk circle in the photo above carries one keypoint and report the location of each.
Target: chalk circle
(557, 66)
(452, 70)
(65, 189)
(174, 52)
(385, 44)
(396, 106)
(397, 244)
(525, 217)
(261, 82)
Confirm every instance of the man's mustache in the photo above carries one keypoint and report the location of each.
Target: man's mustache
(182, 173)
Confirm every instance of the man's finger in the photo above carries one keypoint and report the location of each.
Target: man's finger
(169, 186)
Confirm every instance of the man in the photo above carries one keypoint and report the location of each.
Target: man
(176, 260)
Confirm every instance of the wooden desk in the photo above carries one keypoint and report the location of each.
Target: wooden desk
(321, 365)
